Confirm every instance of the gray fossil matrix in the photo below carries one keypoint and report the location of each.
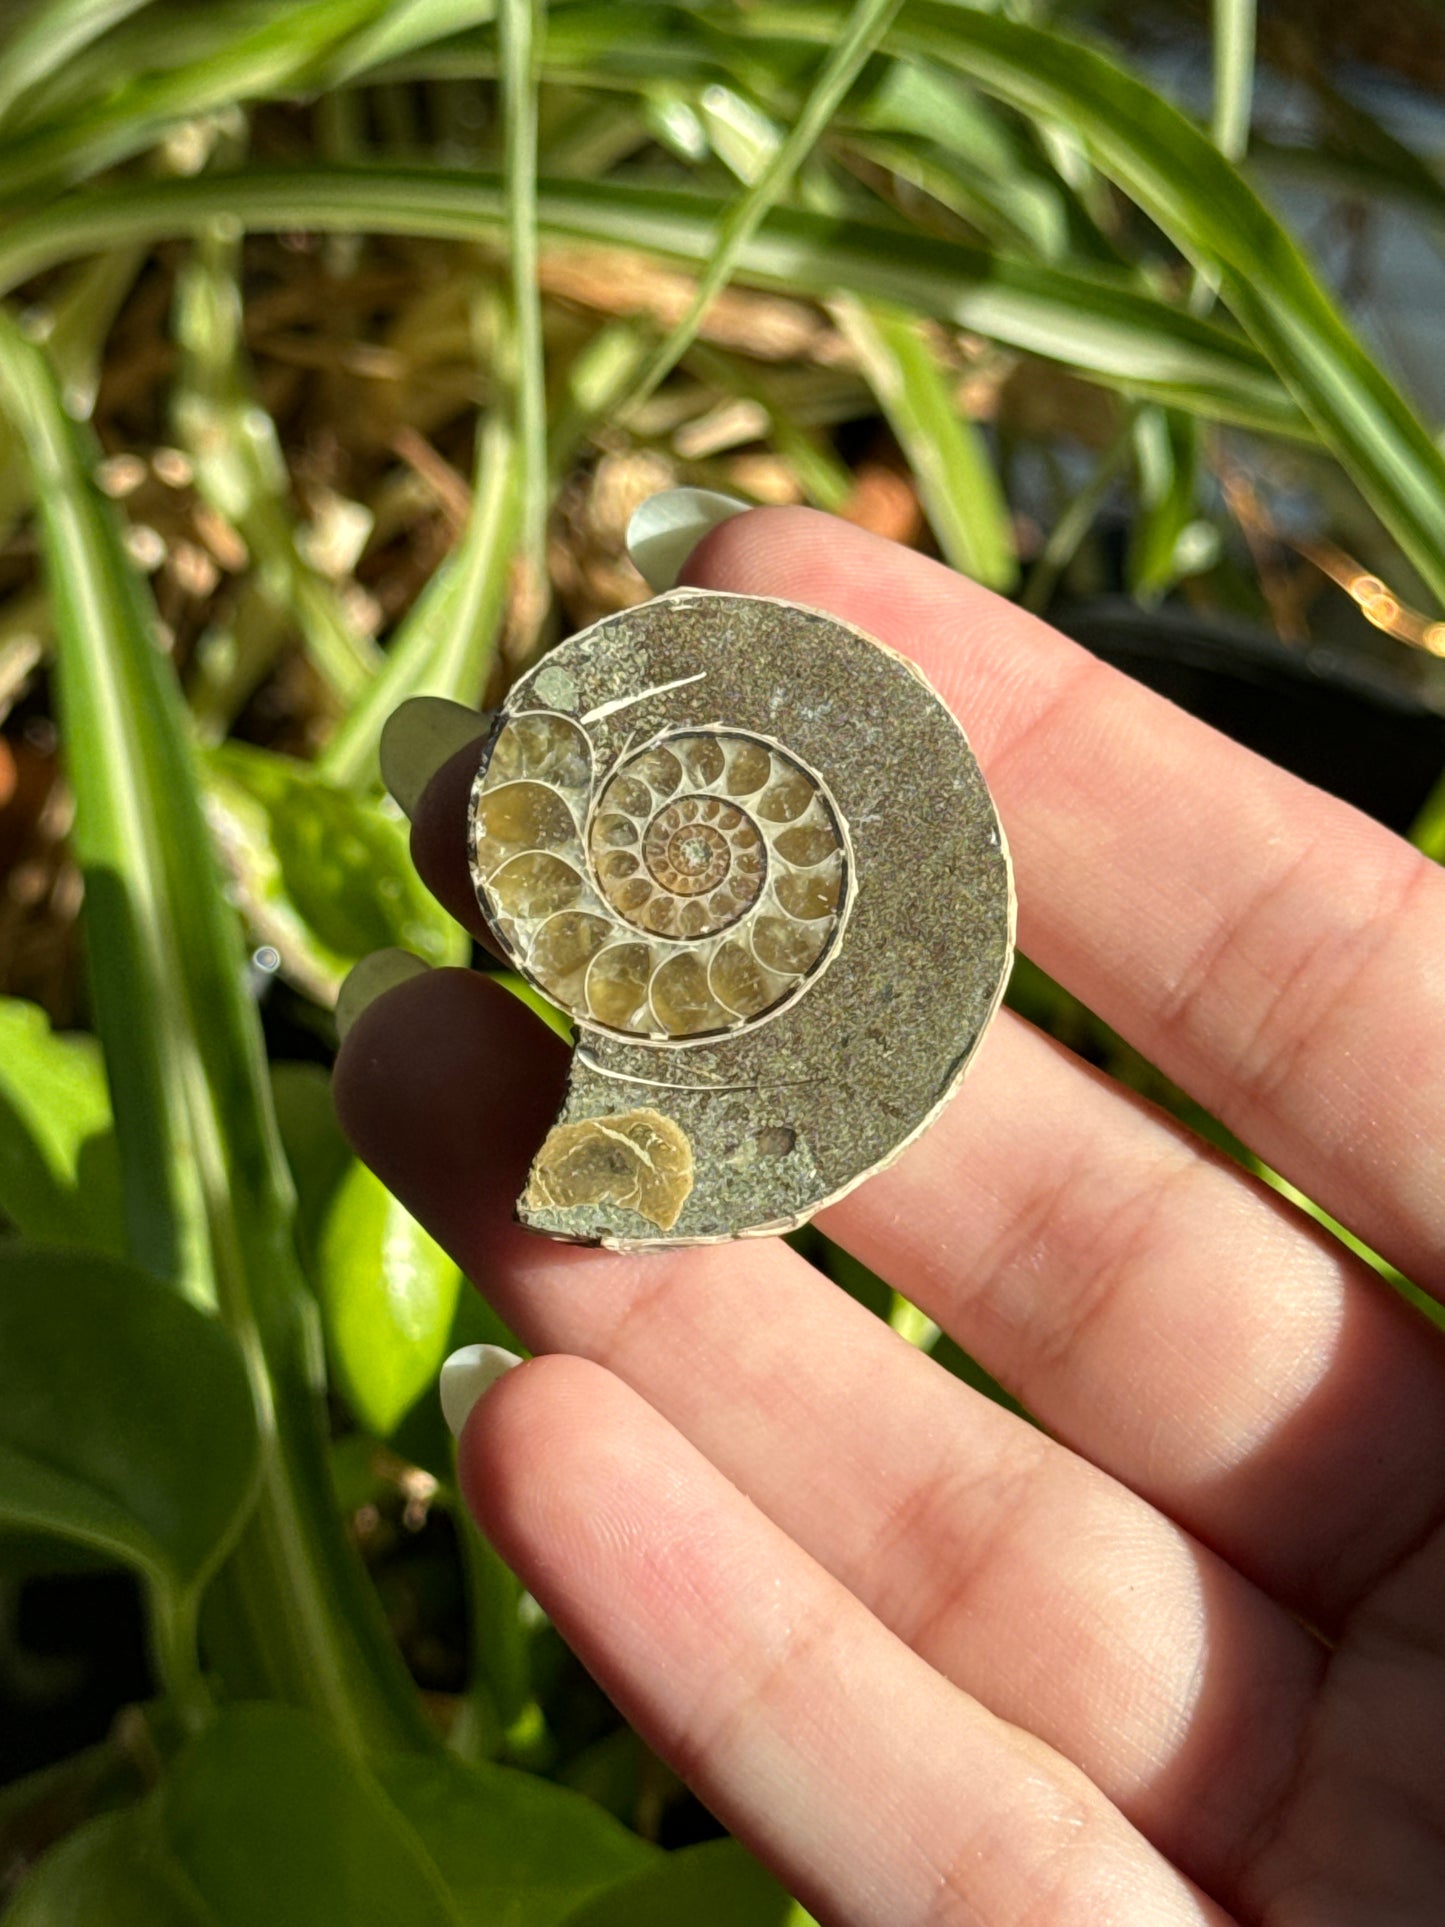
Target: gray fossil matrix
(748, 848)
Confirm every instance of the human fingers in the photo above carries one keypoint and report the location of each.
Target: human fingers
(877, 1791)
(1271, 949)
(1174, 1321)
(1043, 1587)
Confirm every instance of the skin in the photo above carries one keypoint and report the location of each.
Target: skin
(1179, 1656)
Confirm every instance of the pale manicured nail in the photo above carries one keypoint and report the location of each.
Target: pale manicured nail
(666, 529)
(466, 1375)
(418, 737)
(382, 970)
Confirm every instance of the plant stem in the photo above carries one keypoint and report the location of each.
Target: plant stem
(866, 26)
(173, 1648)
(1233, 52)
(1073, 525)
(517, 22)
(499, 1713)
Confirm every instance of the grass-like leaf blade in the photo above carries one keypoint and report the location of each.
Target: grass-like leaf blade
(209, 1203)
(1202, 201)
(1102, 326)
(961, 493)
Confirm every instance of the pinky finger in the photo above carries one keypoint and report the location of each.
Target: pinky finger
(876, 1791)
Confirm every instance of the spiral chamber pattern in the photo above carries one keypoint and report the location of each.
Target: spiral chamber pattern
(690, 890)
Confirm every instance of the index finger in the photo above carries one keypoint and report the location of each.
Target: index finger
(1270, 948)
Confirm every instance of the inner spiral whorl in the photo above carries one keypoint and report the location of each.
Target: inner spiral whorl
(691, 890)
(674, 861)
(690, 847)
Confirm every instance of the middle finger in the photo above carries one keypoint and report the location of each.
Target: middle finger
(1173, 1320)
(1027, 1576)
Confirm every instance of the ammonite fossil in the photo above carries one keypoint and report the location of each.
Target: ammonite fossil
(748, 850)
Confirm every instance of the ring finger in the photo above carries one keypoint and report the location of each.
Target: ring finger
(1049, 1591)
(878, 1791)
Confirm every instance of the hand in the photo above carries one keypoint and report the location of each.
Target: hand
(1180, 1658)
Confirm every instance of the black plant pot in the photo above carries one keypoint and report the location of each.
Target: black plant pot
(1364, 726)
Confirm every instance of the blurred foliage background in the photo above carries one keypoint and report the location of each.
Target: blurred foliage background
(339, 340)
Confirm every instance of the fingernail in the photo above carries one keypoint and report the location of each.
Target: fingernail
(366, 981)
(666, 529)
(466, 1375)
(421, 735)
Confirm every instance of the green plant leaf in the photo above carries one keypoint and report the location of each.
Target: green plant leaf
(128, 768)
(515, 1851)
(860, 31)
(48, 34)
(128, 89)
(404, 26)
(1427, 832)
(74, 322)
(59, 1178)
(1166, 448)
(209, 1204)
(388, 1292)
(323, 874)
(1207, 207)
(1233, 49)
(1103, 326)
(935, 131)
(114, 1871)
(554, 1019)
(960, 491)
(265, 1822)
(126, 1420)
(318, 1155)
(1066, 537)
(1155, 153)
(718, 1884)
(275, 1826)
(518, 26)
(1180, 179)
